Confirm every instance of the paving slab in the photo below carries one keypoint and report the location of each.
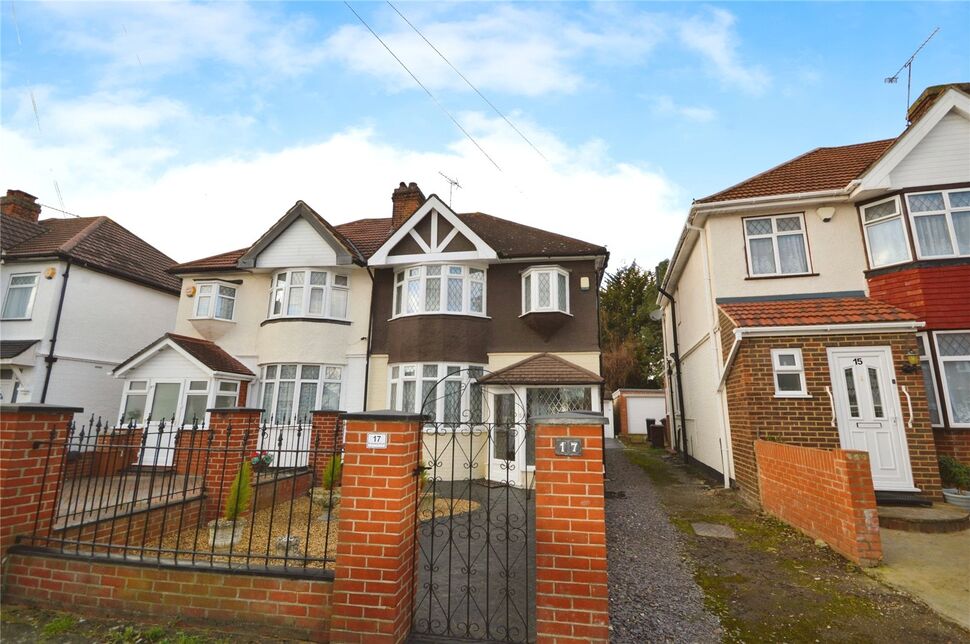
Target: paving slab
(716, 530)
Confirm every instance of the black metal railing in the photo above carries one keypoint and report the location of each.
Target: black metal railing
(176, 494)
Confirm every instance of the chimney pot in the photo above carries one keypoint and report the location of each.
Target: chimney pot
(406, 199)
(20, 205)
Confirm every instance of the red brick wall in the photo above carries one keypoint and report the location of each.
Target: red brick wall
(938, 294)
(572, 597)
(953, 442)
(827, 494)
(274, 607)
(327, 439)
(268, 489)
(756, 413)
(235, 433)
(621, 410)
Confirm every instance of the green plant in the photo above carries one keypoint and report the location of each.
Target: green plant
(60, 625)
(954, 474)
(331, 473)
(239, 493)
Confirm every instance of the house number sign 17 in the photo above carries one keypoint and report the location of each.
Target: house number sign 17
(376, 440)
(569, 446)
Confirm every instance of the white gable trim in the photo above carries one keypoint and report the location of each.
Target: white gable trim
(158, 346)
(482, 250)
(878, 177)
(300, 210)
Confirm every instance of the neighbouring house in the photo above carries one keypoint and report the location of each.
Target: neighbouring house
(638, 409)
(79, 295)
(826, 303)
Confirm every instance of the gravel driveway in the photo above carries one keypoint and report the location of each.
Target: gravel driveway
(653, 597)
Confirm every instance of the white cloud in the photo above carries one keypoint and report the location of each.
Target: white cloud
(665, 105)
(715, 38)
(209, 207)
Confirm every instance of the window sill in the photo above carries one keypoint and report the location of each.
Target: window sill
(208, 319)
(15, 319)
(542, 311)
(795, 396)
(780, 276)
(296, 319)
(480, 316)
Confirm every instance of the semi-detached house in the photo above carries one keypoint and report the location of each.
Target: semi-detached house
(826, 303)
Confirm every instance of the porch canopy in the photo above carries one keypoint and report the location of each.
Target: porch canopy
(542, 369)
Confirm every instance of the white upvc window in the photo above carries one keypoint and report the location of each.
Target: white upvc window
(447, 393)
(18, 301)
(887, 240)
(439, 288)
(953, 353)
(291, 391)
(545, 288)
(788, 373)
(776, 245)
(215, 300)
(929, 379)
(136, 397)
(309, 293)
(941, 223)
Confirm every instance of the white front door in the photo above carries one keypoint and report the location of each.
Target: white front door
(159, 441)
(869, 414)
(507, 439)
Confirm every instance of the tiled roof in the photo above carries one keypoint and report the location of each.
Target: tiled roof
(208, 353)
(367, 234)
(14, 230)
(542, 369)
(820, 169)
(96, 242)
(13, 348)
(218, 262)
(821, 311)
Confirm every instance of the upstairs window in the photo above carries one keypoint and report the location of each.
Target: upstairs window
(776, 245)
(941, 221)
(789, 373)
(19, 299)
(885, 233)
(214, 300)
(545, 288)
(439, 288)
(309, 293)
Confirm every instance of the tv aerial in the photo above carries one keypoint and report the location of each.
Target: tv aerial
(908, 66)
(452, 184)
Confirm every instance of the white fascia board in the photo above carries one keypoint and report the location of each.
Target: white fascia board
(878, 176)
(226, 375)
(730, 361)
(826, 329)
(482, 250)
(150, 352)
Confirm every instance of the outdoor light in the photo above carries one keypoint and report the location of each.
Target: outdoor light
(190, 291)
(912, 362)
(50, 273)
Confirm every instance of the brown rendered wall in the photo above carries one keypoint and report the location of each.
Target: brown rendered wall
(756, 413)
(467, 338)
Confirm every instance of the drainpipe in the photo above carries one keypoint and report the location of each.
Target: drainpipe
(50, 359)
(370, 333)
(680, 383)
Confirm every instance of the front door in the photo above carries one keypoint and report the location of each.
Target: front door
(869, 414)
(159, 440)
(507, 440)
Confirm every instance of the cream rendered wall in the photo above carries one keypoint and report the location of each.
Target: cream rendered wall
(835, 249)
(943, 156)
(377, 383)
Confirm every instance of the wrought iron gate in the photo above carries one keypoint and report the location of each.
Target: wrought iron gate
(475, 537)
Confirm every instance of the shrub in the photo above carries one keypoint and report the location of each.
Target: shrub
(331, 473)
(239, 493)
(954, 473)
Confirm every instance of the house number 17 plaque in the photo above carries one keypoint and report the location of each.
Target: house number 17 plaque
(569, 446)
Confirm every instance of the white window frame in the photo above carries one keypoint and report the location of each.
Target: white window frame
(798, 368)
(214, 297)
(897, 215)
(773, 236)
(329, 287)
(530, 294)
(418, 274)
(30, 300)
(947, 213)
(270, 411)
(926, 362)
(139, 391)
(941, 359)
(396, 376)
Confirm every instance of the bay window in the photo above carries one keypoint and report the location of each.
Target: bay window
(439, 288)
(545, 288)
(309, 293)
(929, 380)
(214, 300)
(446, 393)
(941, 222)
(291, 391)
(953, 353)
(776, 245)
(885, 232)
(18, 301)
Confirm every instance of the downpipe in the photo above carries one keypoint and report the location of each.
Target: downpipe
(50, 359)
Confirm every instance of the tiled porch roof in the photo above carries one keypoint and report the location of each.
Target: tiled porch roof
(208, 353)
(811, 312)
(542, 369)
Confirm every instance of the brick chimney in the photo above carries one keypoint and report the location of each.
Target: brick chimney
(407, 199)
(20, 205)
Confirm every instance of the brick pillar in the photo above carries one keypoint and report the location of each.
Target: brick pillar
(373, 583)
(572, 599)
(30, 474)
(235, 435)
(326, 439)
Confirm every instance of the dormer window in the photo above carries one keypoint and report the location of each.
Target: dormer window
(309, 293)
(545, 289)
(215, 300)
(439, 288)
(776, 245)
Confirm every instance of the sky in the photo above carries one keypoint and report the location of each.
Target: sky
(197, 125)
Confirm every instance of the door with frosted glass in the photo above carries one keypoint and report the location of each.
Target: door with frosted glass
(506, 445)
(159, 441)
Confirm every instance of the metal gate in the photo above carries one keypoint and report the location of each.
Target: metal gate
(475, 536)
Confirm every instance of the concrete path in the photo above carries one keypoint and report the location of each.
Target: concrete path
(934, 568)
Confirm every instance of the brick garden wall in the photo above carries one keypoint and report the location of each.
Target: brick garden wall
(827, 494)
(953, 442)
(273, 607)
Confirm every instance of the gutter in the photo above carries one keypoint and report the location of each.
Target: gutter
(826, 329)
(50, 358)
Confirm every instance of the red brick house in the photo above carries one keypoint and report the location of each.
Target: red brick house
(826, 303)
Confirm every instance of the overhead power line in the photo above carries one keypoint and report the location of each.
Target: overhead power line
(467, 82)
(426, 90)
